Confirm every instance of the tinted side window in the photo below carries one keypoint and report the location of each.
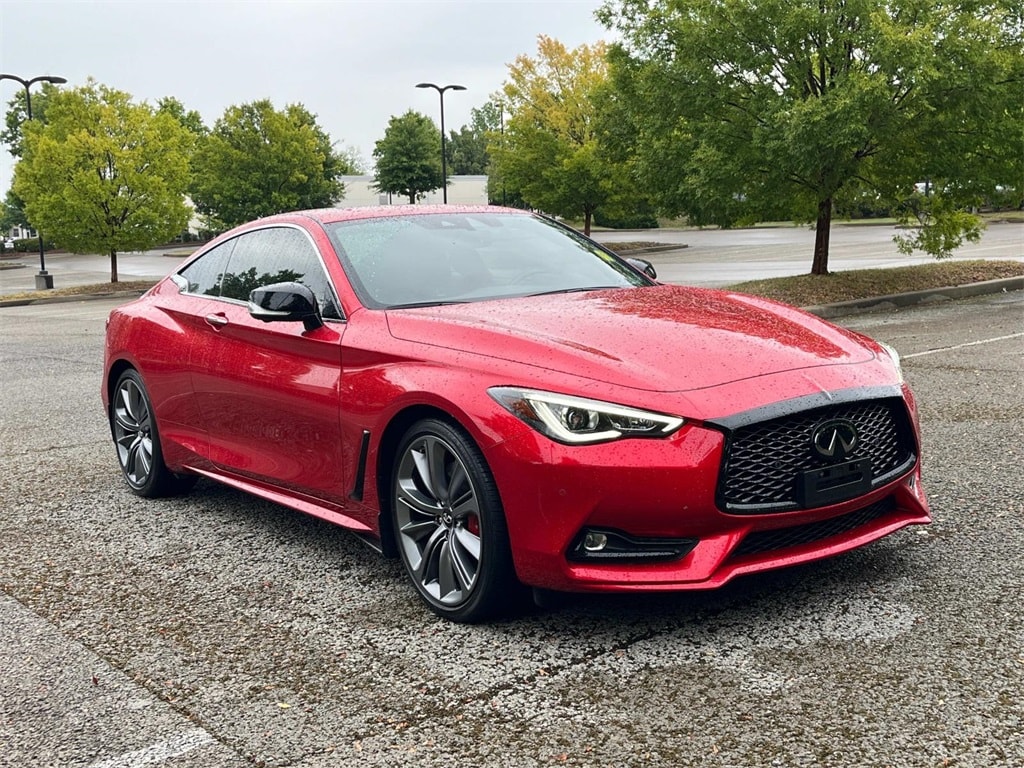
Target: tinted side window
(277, 255)
(204, 274)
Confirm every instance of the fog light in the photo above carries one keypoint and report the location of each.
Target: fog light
(609, 545)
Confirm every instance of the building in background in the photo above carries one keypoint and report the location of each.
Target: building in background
(462, 190)
(18, 232)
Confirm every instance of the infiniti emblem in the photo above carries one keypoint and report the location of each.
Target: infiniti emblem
(835, 439)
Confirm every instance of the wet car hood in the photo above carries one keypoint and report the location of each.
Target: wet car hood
(662, 338)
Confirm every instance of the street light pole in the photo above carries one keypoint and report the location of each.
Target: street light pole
(44, 280)
(444, 165)
(501, 118)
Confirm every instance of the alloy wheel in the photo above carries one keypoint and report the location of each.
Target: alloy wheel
(438, 516)
(133, 432)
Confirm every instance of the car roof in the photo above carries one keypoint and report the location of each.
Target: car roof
(333, 215)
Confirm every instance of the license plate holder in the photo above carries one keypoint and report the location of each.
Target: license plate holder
(834, 483)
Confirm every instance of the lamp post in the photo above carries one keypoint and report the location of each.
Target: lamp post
(44, 279)
(501, 118)
(444, 165)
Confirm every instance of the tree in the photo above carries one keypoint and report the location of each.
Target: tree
(12, 213)
(258, 161)
(467, 148)
(777, 108)
(189, 119)
(352, 159)
(17, 114)
(103, 173)
(550, 154)
(409, 157)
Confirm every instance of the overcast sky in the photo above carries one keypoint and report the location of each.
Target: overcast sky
(353, 64)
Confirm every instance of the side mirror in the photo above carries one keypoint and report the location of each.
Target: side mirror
(285, 302)
(643, 265)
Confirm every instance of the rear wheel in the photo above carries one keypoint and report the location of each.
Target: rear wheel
(449, 524)
(133, 426)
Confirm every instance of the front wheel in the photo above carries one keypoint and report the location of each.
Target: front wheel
(449, 523)
(133, 427)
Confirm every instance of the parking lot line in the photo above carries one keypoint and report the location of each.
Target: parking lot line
(157, 753)
(962, 346)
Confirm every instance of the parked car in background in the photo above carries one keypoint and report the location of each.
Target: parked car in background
(503, 403)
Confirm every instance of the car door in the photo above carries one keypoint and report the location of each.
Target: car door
(268, 393)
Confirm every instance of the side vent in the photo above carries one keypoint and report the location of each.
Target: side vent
(364, 449)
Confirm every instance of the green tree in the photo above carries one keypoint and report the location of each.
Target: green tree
(12, 213)
(409, 157)
(190, 119)
(258, 161)
(467, 148)
(17, 114)
(103, 173)
(550, 154)
(754, 109)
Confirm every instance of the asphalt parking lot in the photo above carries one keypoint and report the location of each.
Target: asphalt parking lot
(218, 630)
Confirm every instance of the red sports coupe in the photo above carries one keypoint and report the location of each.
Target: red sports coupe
(501, 402)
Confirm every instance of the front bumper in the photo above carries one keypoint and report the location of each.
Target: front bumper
(666, 489)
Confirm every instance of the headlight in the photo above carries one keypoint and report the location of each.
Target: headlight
(575, 420)
(894, 356)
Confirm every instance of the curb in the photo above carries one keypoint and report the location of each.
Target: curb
(650, 249)
(71, 299)
(913, 298)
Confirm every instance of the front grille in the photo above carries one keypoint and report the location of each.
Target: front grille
(764, 461)
(783, 538)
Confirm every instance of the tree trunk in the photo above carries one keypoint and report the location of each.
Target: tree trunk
(412, 198)
(586, 222)
(113, 266)
(821, 234)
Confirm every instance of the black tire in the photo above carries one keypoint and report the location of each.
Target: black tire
(137, 440)
(449, 524)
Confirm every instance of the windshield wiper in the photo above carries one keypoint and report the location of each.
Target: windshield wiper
(575, 290)
(418, 304)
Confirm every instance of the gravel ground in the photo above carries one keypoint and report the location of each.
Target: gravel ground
(219, 630)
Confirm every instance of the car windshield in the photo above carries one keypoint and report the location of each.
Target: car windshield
(459, 257)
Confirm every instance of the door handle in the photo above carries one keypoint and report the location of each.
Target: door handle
(217, 321)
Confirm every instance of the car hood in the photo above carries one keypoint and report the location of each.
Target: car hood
(661, 338)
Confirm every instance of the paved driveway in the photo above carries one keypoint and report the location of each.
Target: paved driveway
(216, 630)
